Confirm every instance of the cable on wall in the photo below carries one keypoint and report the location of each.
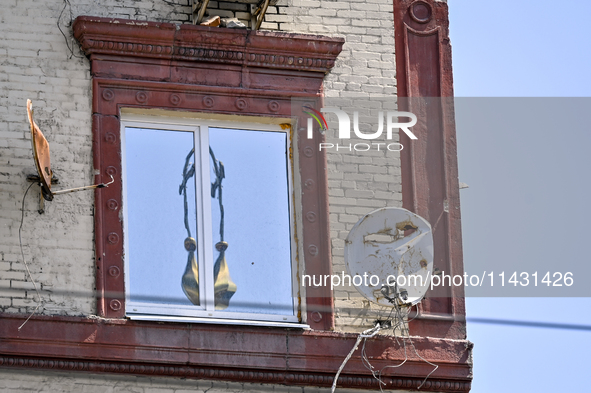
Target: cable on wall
(70, 47)
(23, 256)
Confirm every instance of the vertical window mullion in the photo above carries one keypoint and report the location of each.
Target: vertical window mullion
(203, 187)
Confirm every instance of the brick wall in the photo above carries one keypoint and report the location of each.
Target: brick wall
(36, 63)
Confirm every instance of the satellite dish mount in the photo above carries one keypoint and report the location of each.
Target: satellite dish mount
(45, 177)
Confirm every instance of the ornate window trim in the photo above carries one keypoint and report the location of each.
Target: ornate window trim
(150, 65)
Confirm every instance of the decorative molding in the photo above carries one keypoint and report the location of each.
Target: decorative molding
(429, 164)
(141, 97)
(421, 12)
(208, 101)
(175, 99)
(272, 50)
(115, 305)
(264, 377)
(219, 352)
(112, 204)
(313, 249)
(241, 104)
(205, 54)
(108, 94)
(109, 136)
(113, 238)
(114, 271)
(274, 106)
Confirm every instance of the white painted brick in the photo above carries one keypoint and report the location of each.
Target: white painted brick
(269, 26)
(27, 285)
(353, 14)
(306, 3)
(343, 5)
(232, 6)
(243, 15)
(220, 13)
(277, 18)
(372, 89)
(359, 193)
(326, 12)
(309, 20)
(322, 29)
(12, 275)
(353, 30)
(364, 6)
(336, 21)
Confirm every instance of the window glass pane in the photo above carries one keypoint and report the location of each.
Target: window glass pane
(256, 222)
(156, 229)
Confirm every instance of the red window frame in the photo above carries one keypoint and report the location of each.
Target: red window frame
(208, 70)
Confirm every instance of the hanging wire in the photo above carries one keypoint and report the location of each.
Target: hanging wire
(366, 334)
(70, 48)
(23, 256)
(406, 336)
(397, 323)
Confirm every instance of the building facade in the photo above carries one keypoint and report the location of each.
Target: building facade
(97, 71)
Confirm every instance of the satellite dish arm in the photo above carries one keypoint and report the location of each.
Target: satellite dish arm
(101, 185)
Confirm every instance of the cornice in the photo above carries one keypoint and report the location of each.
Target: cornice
(219, 352)
(167, 41)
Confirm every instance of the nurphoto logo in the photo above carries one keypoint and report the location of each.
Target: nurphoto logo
(392, 123)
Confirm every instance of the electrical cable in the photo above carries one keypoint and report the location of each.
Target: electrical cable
(547, 325)
(23, 256)
(396, 323)
(70, 48)
(366, 334)
(435, 366)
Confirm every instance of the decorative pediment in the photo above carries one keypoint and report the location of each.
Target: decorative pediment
(167, 41)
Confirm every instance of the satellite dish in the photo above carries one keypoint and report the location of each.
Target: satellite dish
(43, 162)
(40, 155)
(396, 246)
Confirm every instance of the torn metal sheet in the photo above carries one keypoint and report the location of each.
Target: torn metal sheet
(396, 247)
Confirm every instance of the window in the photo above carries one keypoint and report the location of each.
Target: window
(208, 220)
(160, 69)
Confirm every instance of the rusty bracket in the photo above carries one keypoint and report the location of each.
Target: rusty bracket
(48, 195)
(198, 11)
(37, 179)
(259, 13)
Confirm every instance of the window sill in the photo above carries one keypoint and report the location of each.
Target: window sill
(213, 320)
